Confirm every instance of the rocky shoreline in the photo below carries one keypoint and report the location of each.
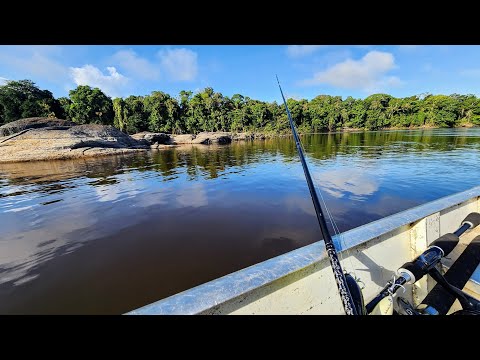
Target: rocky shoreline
(36, 139)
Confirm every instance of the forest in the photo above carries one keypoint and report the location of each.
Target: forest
(208, 110)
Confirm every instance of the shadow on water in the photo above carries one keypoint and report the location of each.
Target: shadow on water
(111, 234)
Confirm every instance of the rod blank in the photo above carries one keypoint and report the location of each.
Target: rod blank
(347, 300)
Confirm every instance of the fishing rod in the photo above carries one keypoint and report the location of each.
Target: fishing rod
(349, 304)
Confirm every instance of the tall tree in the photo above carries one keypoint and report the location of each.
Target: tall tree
(440, 110)
(376, 114)
(23, 99)
(135, 117)
(163, 111)
(90, 106)
(119, 117)
(65, 104)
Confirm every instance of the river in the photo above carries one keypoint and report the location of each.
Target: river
(108, 235)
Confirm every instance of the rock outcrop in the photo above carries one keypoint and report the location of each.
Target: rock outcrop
(101, 136)
(182, 139)
(33, 123)
(243, 136)
(152, 138)
(66, 142)
(208, 138)
(204, 138)
(49, 139)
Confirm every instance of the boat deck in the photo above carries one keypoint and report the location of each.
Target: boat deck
(472, 287)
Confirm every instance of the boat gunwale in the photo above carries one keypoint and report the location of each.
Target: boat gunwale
(231, 286)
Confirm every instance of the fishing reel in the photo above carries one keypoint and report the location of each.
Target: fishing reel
(448, 287)
(442, 299)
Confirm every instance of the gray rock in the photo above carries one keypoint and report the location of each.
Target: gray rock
(33, 123)
(182, 139)
(152, 138)
(207, 138)
(243, 136)
(103, 136)
(204, 138)
(159, 138)
(72, 142)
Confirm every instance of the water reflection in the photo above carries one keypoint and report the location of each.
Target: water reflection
(110, 234)
(353, 183)
(194, 196)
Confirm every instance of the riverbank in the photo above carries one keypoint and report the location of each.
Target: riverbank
(36, 139)
(391, 128)
(51, 139)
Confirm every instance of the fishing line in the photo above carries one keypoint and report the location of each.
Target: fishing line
(335, 228)
(348, 301)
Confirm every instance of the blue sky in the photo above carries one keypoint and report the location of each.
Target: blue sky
(304, 70)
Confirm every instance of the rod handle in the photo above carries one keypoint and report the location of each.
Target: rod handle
(473, 219)
(446, 242)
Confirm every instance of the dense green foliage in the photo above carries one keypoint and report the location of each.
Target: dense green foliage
(211, 111)
(22, 99)
(87, 105)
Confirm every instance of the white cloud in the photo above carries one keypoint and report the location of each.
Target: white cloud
(302, 50)
(3, 80)
(389, 81)
(111, 84)
(179, 64)
(35, 61)
(126, 69)
(135, 65)
(368, 73)
(42, 66)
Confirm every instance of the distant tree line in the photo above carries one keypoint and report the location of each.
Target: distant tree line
(211, 111)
